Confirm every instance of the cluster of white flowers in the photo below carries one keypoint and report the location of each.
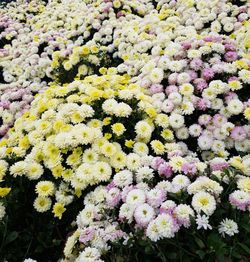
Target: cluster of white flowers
(134, 31)
(65, 135)
(136, 199)
(146, 100)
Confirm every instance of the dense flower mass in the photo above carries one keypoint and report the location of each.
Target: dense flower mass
(156, 206)
(128, 124)
(78, 133)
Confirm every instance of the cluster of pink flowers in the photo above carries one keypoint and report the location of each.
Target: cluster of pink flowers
(8, 30)
(13, 103)
(150, 205)
(206, 82)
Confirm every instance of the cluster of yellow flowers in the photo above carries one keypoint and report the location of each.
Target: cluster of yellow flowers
(79, 52)
(79, 134)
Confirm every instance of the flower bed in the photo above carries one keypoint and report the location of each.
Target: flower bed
(125, 130)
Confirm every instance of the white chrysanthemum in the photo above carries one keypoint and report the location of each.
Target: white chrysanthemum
(63, 198)
(246, 165)
(71, 241)
(126, 94)
(146, 160)
(144, 173)
(140, 148)
(195, 130)
(162, 120)
(209, 94)
(84, 134)
(194, 53)
(205, 142)
(205, 184)
(204, 202)
(133, 161)
(183, 213)
(18, 169)
(183, 78)
(109, 105)
(118, 160)
(102, 171)
(96, 196)
(187, 108)
(176, 162)
(123, 178)
(89, 156)
(156, 75)
(29, 260)
(182, 133)
(2, 211)
(136, 197)
(165, 225)
(217, 86)
(34, 170)
(235, 106)
(89, 255)
(86, 110)
(215, 26)
(175, 66)
(143, 129)
(126, 212)
(86, 216)
(45, 188)
(228, 227)
(176, 120)
(3, 168)
(243, 146)
(152, 231)
(164, 185)
(108, 149)
(203, 222)
(186, 89)
(180, 182)
(168, 205)
(244, 184)
(244, 75)
(175, 97)
(84, 173)
(144, 214)
(122, 110)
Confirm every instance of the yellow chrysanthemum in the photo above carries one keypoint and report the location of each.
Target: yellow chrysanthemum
(158, 147)
(58, 210)
(42, 204)
(106, 121)
(151, 112)
(85, 50)
(118, 129)
(129, 143)
(4, 191)
(167, 134)
(108, 149)
(45, 188)
(247, 113)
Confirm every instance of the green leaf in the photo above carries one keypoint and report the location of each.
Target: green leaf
(244, 247)
(200, 253)
(148, 250)
(11, 237)
(246, 227)
(199, 242)
(236, 255)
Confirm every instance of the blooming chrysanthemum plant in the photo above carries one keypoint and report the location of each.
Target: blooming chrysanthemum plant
(165, 215)
(125, 130)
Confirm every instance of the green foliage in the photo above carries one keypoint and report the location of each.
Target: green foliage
(26, 233)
